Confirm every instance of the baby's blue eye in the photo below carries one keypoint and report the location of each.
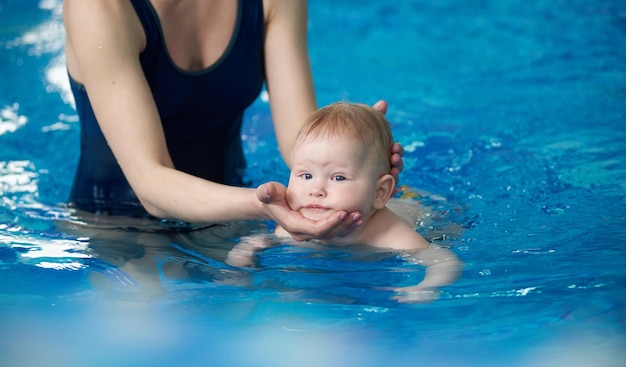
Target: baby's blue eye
(339, 178)
(307, 176)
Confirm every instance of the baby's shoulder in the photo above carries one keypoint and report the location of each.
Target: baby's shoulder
(388, 230)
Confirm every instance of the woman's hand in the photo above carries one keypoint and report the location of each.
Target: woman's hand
(397, 151)
(337, 224)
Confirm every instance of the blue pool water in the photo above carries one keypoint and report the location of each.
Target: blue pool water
(513, 117)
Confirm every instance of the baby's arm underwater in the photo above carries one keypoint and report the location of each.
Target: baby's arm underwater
(443, 268)
(243, 254)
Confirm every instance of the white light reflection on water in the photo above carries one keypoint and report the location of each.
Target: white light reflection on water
(17, 177)
(10, 120)
(59, 254)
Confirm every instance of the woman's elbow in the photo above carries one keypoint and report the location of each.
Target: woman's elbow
(153, 210)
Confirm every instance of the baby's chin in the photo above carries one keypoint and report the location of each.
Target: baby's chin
(316, 213)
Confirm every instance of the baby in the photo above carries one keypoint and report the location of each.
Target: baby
(341, 162)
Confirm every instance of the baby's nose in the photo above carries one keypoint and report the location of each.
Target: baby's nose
(317, 192)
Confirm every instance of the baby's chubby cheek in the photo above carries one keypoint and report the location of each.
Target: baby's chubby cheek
(291, 198)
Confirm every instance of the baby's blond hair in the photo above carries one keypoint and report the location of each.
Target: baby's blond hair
(353, 121)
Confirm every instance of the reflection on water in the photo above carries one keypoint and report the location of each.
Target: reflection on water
(148, 259)
(10, 120)
(17, 177)
(132, 255)
(157, 296)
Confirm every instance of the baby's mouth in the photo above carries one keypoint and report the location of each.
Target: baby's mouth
(314, 211)
(315, 206)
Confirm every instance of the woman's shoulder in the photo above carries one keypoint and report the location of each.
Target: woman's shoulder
(90, 8)
(97, 26)
(273, 8)
(101, 15)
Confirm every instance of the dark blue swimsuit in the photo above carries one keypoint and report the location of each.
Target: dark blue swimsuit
(201, 114)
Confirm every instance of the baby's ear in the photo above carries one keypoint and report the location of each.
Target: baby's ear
(384, 190)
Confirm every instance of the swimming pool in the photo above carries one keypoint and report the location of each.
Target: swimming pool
(513, 115)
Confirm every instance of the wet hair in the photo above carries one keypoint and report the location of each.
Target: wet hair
(353, 121)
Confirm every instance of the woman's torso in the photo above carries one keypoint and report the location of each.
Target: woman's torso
(204, 67)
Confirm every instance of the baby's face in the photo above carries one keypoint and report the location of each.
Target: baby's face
(331, 175)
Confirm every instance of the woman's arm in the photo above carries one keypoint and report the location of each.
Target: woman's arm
(288, 70)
